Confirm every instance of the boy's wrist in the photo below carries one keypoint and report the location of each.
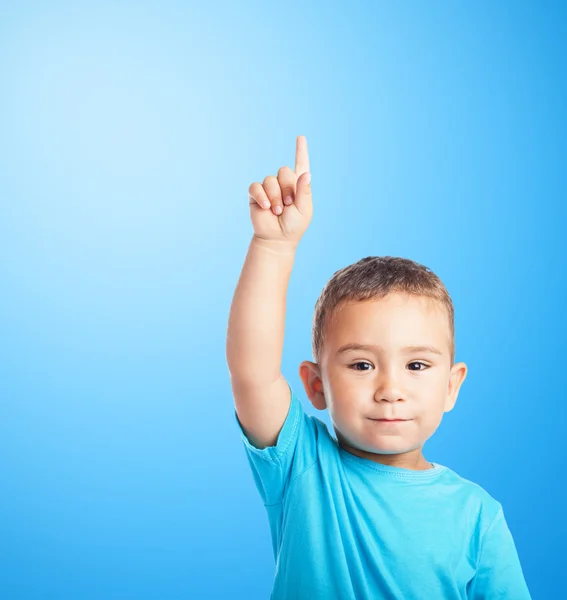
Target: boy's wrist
(277, 246)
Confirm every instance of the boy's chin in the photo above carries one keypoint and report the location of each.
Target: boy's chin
(382, 445)
(387, 445)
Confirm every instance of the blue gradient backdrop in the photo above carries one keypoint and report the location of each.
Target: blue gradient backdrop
(129, 134)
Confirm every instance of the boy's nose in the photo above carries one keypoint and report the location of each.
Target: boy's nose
(390, 397)
(388, 390)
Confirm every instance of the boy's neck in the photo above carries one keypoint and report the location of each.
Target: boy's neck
(413, 459)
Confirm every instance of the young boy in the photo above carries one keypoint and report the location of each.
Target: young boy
(363, 516)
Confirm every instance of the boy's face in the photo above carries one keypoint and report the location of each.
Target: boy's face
(385, 380)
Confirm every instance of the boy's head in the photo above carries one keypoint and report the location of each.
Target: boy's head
(390, 305)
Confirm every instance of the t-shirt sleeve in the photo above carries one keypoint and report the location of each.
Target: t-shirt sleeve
(275, 467)
(499, 574)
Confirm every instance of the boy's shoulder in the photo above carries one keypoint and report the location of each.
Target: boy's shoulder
(469, 492)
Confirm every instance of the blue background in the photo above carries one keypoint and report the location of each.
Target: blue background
(129, 135)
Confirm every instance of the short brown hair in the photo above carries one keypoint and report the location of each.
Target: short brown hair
(372, 278)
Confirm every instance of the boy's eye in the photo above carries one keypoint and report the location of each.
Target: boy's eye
(360, 363)
(417, 362)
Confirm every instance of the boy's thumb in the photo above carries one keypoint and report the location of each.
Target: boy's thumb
(303, 191)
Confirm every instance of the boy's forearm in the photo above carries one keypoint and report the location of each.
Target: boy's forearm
(256, 323)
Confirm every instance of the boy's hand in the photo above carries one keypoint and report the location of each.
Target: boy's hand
(271, 197)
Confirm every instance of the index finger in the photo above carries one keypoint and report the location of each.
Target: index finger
(301, 156)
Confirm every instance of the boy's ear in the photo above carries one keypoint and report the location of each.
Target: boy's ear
(310, 374)
(456, 378)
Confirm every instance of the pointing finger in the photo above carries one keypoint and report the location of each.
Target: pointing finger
(301, 156)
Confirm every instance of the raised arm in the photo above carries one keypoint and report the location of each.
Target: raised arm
(256, 324)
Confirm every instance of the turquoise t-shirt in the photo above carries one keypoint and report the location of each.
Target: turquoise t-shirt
(349, 528)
